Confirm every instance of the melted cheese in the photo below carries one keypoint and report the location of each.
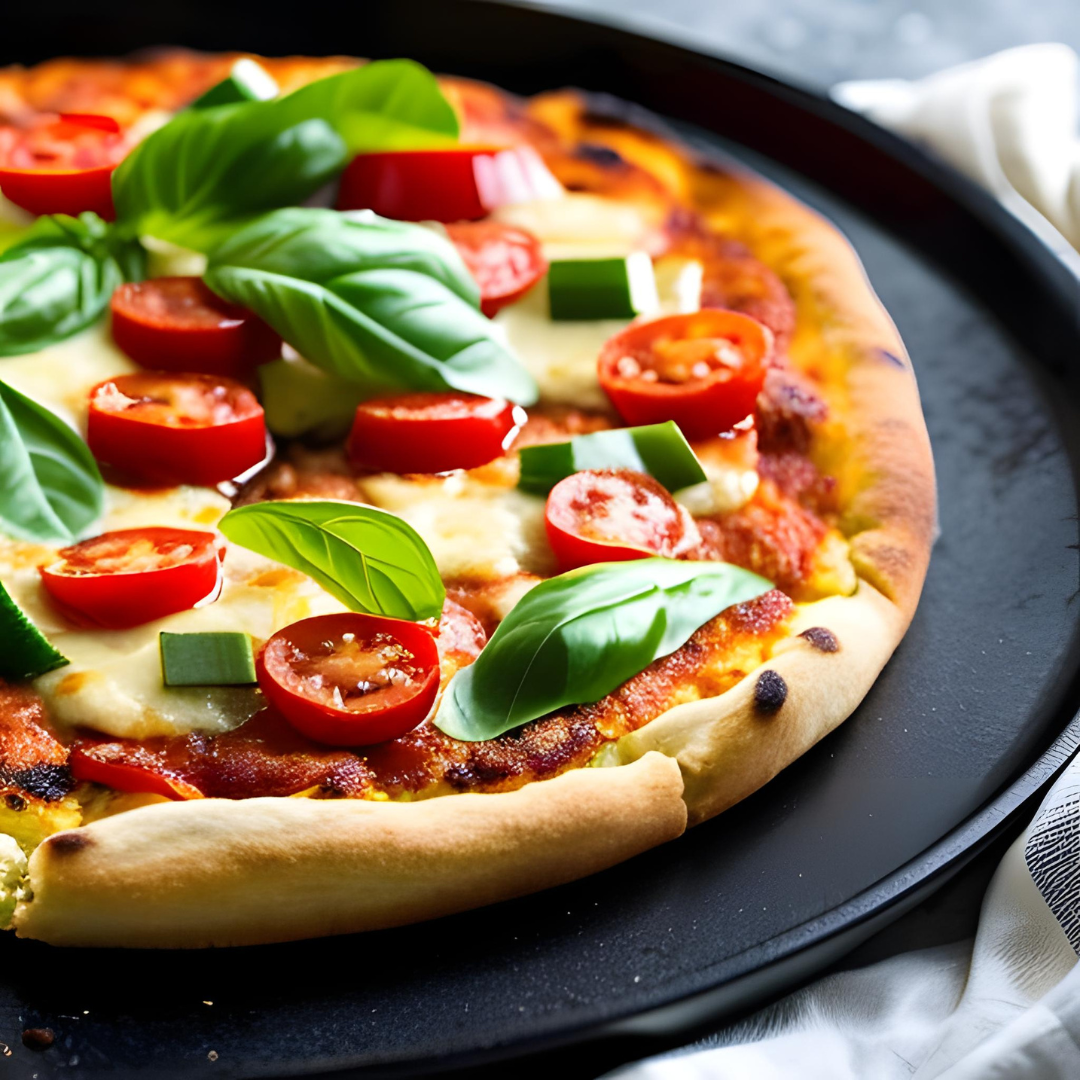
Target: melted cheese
(478, 525)
(113, 682)
(474, 530)
(61, 376)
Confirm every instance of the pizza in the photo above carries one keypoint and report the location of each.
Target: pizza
(414, 496)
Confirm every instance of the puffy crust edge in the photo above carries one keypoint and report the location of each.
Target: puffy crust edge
(214, 872)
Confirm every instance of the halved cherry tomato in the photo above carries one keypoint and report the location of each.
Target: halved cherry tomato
(702, 370)
(610, 515)
(104, 762)
(351, 679)
(178, 324)
(132, 576)
(460, 183)
(506, 261)
(429, 433)
(62, 165)
(176, 429)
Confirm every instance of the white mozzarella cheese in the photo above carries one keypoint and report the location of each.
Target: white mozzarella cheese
(113, 682)
(61, 376)
(474, 530)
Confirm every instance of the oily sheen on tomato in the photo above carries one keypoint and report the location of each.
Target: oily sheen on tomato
(351, 679)
(178, 324)
(176, 428)
(132, 576)
(61, 164)
(610, 515)
(505, 261)
(458, 183)
(703, 370)
(430, 432)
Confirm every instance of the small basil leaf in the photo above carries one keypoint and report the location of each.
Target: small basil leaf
(52, 488)
(58, 279)
(27, 653)
(210, 169)
(579, 636)
(397, 321)
(657, 449)
(369, 559)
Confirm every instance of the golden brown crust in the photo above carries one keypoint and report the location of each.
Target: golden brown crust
(215, 872)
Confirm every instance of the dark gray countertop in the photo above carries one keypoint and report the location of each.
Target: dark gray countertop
(824, 41)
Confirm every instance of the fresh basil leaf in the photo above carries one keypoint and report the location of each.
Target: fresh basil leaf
(27, 653)
(578, 636)
(58, 279)
(369, 559)
(52, 489)
(209, 170)
(383, 305)
(322, 245)
(657, 449)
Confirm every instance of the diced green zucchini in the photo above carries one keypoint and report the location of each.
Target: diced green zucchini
(301, 399)
(617, 288)
(248, 81)
(222, 658)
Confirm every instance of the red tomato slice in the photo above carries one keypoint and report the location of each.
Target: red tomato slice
(176, 429)
(505, 261)
(703, 370)
(611, 515)
(351, 679)
(111, 764)
(429, 433)
(62, 165)
(178, 324)
(459, 183)
(132, 576)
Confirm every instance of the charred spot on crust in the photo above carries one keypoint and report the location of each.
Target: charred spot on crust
(68, 843)
(14, 802)
(38, 1038)
(770, 692)
(823, 640)
(599, 155)
(48, 782)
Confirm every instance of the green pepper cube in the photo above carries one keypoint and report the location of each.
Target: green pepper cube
(221, 658)
(618, 288)
(247, 81)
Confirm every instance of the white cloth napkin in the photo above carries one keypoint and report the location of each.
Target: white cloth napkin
(1005, 1006)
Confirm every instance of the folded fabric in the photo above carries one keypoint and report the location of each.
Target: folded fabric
(1008, 121)
(1005, 1006)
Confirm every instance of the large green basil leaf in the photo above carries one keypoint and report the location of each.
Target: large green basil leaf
(578, 636)
(52, 489)
(209, 170)
(321, 245)
(58, 279)
(385, 306)
(369, 559)
(657, 449)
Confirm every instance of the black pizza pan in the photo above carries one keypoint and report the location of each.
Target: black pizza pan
(969, 721)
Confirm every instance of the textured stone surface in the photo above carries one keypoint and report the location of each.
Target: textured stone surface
(823, 41)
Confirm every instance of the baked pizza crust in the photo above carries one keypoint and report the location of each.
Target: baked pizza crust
(217, 872)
